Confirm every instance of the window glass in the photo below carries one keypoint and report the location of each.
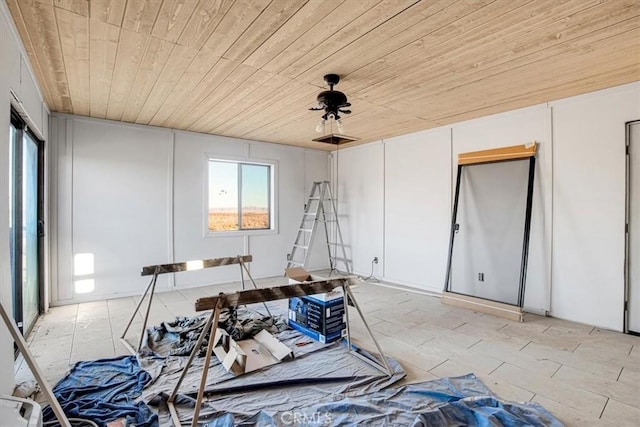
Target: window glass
(255, 197)
(223, 196)
(239, 196)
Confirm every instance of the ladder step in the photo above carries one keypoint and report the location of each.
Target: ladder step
(310, 213)
(306, 230)
(295, 263)
(301, 246)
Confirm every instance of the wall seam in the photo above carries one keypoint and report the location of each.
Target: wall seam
(549, 287)
(384, 207)
(171, 165)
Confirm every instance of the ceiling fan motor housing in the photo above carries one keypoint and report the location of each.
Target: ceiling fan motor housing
(332, 99)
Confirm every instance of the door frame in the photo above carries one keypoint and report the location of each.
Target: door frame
(22, 127)
(627, 219)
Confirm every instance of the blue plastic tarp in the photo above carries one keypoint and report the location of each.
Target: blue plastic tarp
(105, 390)
(448, 402)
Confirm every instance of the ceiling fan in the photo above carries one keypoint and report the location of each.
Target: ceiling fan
(332, 102)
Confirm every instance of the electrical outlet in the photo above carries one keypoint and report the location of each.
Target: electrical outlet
(375, 260)
(481, 277)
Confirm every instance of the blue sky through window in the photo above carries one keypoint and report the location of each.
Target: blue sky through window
(255, 187)
(223, 185)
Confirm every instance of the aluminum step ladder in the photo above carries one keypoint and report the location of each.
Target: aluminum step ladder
(320, 210)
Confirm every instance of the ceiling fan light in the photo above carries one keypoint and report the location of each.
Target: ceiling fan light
(320, 126)
(340, 125)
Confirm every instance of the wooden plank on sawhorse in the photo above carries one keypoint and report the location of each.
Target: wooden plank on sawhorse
(217, 303)
(156, 270)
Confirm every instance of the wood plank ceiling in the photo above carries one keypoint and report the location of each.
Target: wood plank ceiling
(252, 68)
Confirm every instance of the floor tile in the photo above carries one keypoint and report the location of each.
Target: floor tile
(477, 363)
(92, 349)
(505, 390)
(569, 416)
(622, 392)
(507, 353)
(629, 376)
(618, 353)
(621, 414)
(454, 368)
(54, 329)
(415, 374)
(56, 348)
(417, 357)
(411, 336)
(566, 394)
(542, 352)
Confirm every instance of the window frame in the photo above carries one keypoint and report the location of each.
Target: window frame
(273, 196)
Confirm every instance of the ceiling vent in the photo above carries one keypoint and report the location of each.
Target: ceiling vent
(335, 139)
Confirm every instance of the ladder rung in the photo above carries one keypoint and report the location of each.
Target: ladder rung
(311, 213)
(295, 263)
(314, 198)
(301, 246)
(307, 230)
(330, 220)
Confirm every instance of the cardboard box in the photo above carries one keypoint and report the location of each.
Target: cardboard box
(240, 357)
(299, 275)
(323, 321)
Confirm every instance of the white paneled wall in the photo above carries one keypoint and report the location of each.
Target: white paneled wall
(360, 194)
(589, 204)
(576, 252)
(135, 195)
(120, 204)
(417, 208)
(16, 76)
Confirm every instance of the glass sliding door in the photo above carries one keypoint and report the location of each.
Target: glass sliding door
(26, 224)
(30, 253)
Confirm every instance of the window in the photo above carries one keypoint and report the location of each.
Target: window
(240, 196)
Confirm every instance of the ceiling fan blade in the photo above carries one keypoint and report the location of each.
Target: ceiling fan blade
(346, 104)
(316, 109)
(344, 111)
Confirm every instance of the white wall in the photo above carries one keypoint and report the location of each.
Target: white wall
(589, 204)
(15, 75)
(417, 208)
(135, 195)
(360, 190)
(118, 205)
(576, 252)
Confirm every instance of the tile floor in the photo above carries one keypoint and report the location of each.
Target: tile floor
(581, 374)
